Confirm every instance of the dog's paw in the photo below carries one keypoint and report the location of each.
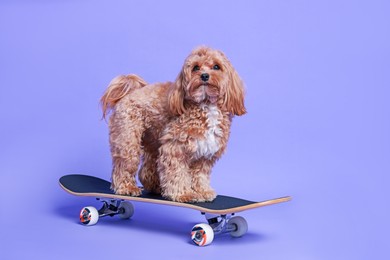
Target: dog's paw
(208, 195)
(185, 197)
(128, 190)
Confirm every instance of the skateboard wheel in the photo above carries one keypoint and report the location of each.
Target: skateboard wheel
(241, 226)
(202, 234)
(89, 216)
(126, 210)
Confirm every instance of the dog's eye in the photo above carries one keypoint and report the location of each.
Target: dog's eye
(196, 68)
(216, 67)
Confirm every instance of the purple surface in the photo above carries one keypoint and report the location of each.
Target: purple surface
(317, 77)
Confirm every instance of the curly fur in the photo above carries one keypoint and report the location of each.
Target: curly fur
(173, 133)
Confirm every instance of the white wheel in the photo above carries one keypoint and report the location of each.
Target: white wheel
(202, 234)
(126, 210)
(89, 216)
(241, 226)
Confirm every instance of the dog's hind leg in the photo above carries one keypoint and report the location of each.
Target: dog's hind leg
(125, 139)
(148, 175)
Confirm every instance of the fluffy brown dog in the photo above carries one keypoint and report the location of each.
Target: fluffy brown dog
(179, 129)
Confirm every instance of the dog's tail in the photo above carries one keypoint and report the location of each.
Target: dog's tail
(117, 89)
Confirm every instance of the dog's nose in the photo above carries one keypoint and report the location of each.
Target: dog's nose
(205, 76)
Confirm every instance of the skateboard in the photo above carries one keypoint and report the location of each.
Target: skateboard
(220, 213)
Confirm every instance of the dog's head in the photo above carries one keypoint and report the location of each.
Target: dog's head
(207, 77)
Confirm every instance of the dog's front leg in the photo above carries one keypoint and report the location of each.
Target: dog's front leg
(200, 171)
(175, 177)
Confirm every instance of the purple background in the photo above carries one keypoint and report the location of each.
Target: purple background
(317, 78)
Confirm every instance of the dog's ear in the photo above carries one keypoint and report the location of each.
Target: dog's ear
(234, 97)
(176, 95)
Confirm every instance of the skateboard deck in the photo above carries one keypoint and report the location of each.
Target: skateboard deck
(222, 207)
(84, 185)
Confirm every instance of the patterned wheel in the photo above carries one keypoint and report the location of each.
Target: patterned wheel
(202, 234)
(89, 216)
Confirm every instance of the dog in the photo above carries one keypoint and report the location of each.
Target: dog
(172, 133)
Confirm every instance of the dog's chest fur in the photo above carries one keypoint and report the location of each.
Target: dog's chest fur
(210, 143)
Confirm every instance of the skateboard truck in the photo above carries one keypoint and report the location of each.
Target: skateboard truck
(110, 207)
(220, 224)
